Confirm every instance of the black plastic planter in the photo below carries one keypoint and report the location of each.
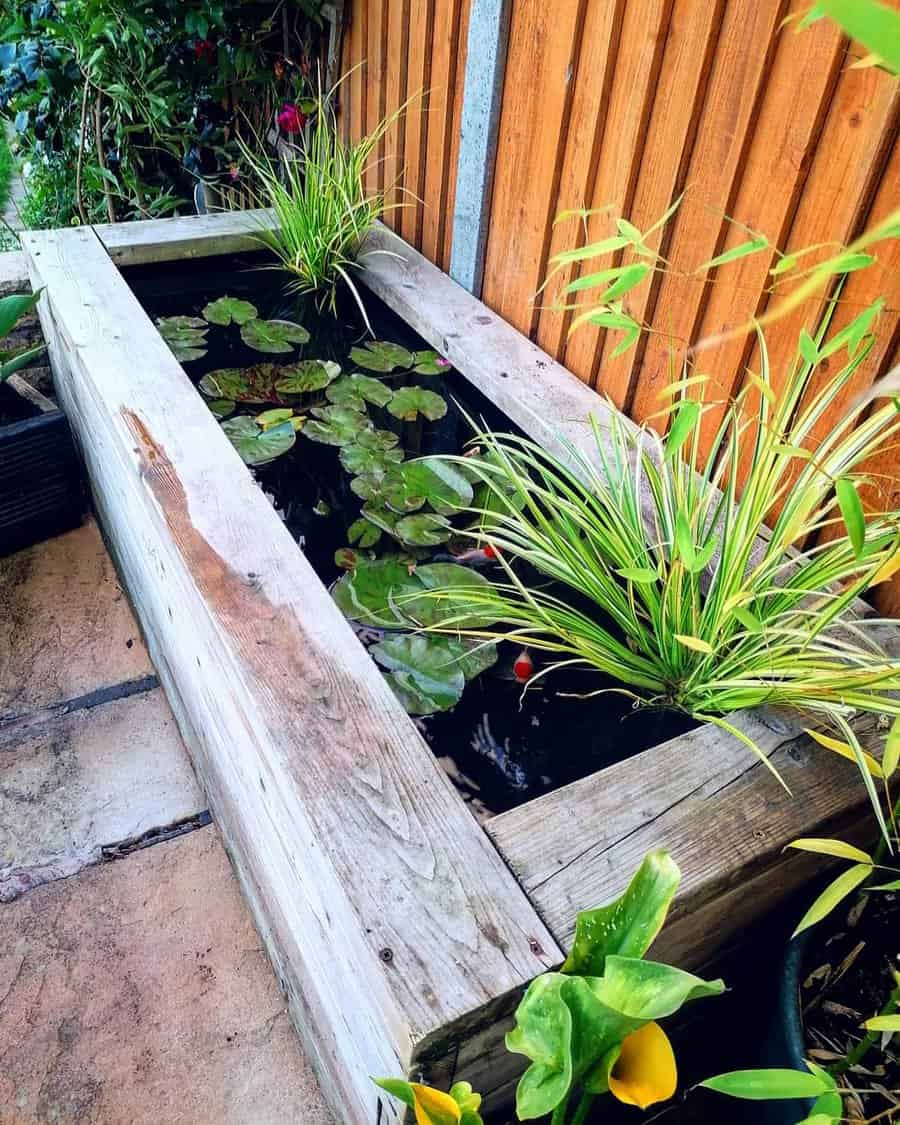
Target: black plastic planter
(42, 490)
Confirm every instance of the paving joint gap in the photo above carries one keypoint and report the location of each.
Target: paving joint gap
(13, 723)
(111, 852)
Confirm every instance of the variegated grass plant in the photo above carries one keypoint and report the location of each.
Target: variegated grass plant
(664, 575)
(323, 208)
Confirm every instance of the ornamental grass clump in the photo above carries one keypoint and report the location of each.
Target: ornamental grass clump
(322, 207)
(653, 566)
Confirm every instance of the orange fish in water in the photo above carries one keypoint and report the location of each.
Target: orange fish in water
(523, 666)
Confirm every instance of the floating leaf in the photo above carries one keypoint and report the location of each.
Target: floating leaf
(345, 558)
(384, 593)
(185, 335)
(429, 673)
(337, 425)
(430, 363)
(431, 480)
(382, 518)
(381, 355)
(408, 402)
(273, 336)
(256, 445)
(423, 530)
(307, 375)
(363, 533)
(357, 390)
(229, 310)
(221, 407)
(377, 439)
(358, 460)
(241, 384)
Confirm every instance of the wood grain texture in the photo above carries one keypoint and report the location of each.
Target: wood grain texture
(13, 273)
(325, 792)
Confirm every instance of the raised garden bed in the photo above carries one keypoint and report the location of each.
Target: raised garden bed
(401, 937)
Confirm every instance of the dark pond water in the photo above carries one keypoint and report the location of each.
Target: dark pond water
(500, 747)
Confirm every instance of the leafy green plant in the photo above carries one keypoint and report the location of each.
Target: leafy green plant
(667, 580)
(12, 309)
(592, 1028)
(321, 206)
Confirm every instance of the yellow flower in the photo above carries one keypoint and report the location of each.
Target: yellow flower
(434, 1107)
(645, 1071)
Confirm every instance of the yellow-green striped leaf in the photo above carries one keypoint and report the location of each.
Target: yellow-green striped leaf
(696, 643)
(834, 894)
(831, 847)
(845, 750)
(891, 757)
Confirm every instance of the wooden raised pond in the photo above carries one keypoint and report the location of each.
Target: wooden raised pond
(401, 927)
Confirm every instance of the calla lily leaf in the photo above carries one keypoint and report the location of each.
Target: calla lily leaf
(185, 335)
(408, 402)
(258, 446)
(381, 355)
(337, 425)
(648, 990)
(273, 336)
(543, 1033)
(629, 924)
(307, 375)
(357, 390)
(229, 310)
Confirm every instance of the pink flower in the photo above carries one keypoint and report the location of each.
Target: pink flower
(440, 362)
(290, 118)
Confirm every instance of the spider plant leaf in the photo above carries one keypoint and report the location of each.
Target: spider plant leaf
(357, 390)
(684, 540)
(307, 375)
(273, 336)
(381, 355)
(408, 402)
(229, 310)
(750, 622)
(834, 894)
(890, 759)
(836, 848)
(852, 511)
(696, 643)
(258, 446)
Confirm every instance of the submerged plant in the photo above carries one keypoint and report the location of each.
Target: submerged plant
(665, 577)
(322, 207)
(592, 1028)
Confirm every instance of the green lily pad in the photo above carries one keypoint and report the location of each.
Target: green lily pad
(423, 529)
(383, 518)
(369, 486)
(430, 363)
(242, 384)
(270, 418)
(362, 533)
(356, 459)
(185, 335)
(429, 674)
(256, 445)
(221, 407)
(307, 375)
(436, 481)
(337, 425)
(377, 439)
(384, 593)
(381, 355)
(408, 402)
(229, 310)
(273, 335)
(357, 390)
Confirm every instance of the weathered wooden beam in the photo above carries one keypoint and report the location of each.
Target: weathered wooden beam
(399, 934)
(194, 236)
(13, 273)
(482, 97)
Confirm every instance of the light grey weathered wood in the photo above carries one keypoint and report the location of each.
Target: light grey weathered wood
(390, 916)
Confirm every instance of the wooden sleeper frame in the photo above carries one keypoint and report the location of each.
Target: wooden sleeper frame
(402, 932)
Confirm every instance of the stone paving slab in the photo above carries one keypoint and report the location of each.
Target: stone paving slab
(75, 784)
(136, 993)
(66, 628)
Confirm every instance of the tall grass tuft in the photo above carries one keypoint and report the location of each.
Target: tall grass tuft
(322, 208)
(664, 575)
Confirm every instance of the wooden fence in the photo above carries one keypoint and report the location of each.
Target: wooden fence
(628, 103)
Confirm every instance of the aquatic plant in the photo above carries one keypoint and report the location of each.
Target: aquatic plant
(667, 579)
(592, 1028)
(322, 208)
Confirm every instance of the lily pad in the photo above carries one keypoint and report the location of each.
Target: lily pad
(256, 445)
(429, 674)
(383, 518)
(337, 425)
(221, 407)
(185, 335)
(356, 459)
(357, 390)
(381, 355)
(307, 375)
(273, 336)
(408, 402)
(229, 310)
(423, 529)
(428, 479)
(430, 363)
(363, 533)
(386, 594)
(270, 418)
(242, 384)
(377, 439)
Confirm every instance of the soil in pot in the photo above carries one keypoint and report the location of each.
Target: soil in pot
(500, 746)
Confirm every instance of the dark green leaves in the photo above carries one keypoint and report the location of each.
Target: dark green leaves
(358, 460)
(380, 355)
(390, 594)
(229, 310)
(423, 529)
(306, 375)
(429, 673)
(337, 425)
(273, 336)
(408, 402)
(185, 335)
(357, 390)
(255, 444)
